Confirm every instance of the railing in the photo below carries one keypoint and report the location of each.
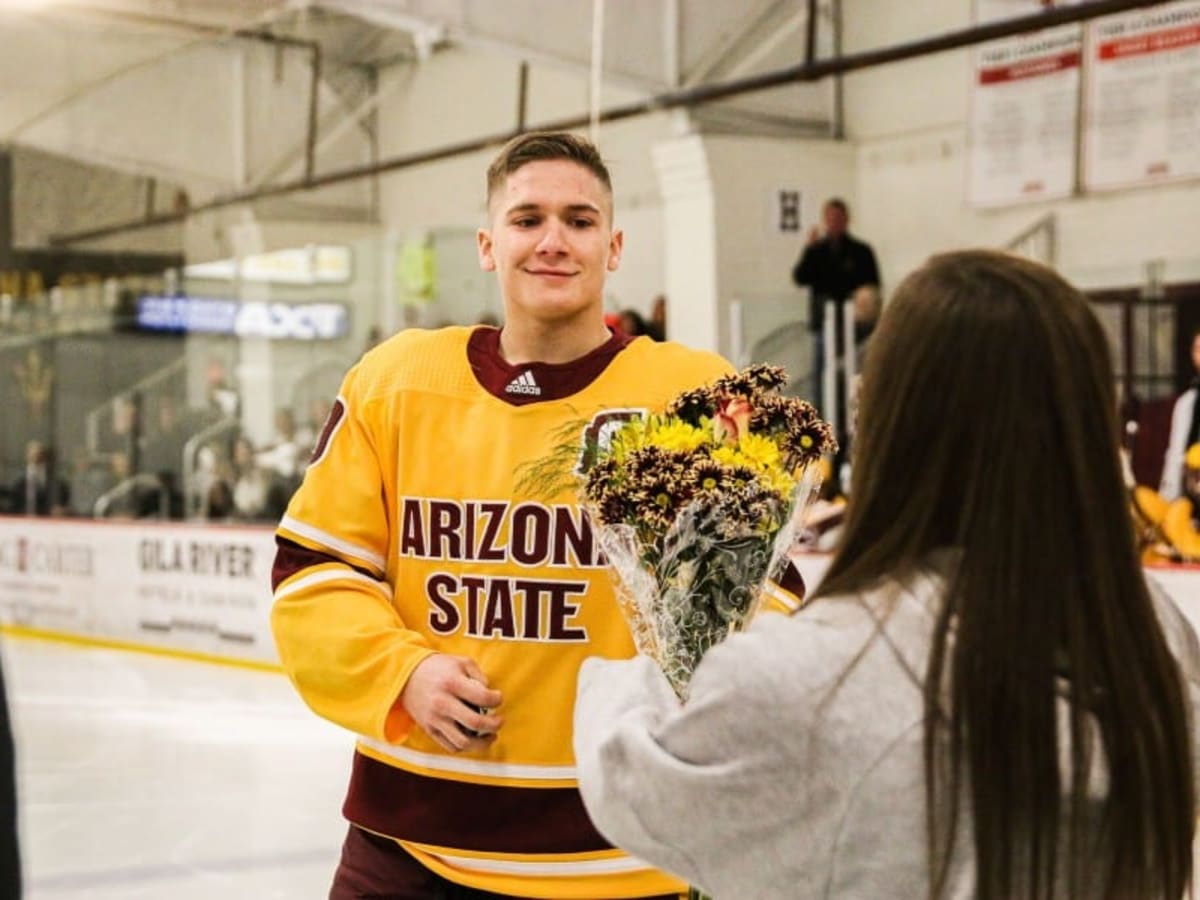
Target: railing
(195, 503)
(132, 485)
(140, 387)
(1038, 242)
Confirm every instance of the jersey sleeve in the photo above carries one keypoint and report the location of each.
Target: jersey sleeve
(784, 594)
(339, 636)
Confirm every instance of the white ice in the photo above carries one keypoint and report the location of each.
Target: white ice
(143, 777)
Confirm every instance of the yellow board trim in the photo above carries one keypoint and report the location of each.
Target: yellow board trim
(63, 637)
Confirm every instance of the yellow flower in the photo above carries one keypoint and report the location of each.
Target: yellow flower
(731, 456)
(672, 434)
(632, 436)
(762, 451)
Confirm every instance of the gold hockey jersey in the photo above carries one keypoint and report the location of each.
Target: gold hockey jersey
(408, 537)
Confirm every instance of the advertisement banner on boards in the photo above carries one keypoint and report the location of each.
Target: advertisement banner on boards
(194, 588)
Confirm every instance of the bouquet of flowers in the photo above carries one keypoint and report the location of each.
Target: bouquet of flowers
(696, 509)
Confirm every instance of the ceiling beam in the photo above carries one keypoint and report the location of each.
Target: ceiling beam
(707, 93)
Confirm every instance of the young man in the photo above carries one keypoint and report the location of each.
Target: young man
(424, 603)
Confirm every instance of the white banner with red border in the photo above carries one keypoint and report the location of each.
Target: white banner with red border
(1142, 122)
(1024, 110)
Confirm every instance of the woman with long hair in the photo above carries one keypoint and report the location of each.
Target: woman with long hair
(983, 698)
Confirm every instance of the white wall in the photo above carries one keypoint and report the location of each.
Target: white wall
(755, 257)
(908, 122)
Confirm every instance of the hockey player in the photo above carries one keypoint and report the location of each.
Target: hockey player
(424, 604)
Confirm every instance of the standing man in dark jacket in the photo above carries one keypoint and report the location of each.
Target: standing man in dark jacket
(835, 265)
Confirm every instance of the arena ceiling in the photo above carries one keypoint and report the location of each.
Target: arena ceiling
(61, 55)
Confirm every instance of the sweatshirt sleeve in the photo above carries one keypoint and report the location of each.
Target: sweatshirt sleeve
(340, 638)
(704, 790)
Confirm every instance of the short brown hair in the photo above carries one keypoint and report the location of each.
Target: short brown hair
(537, 146)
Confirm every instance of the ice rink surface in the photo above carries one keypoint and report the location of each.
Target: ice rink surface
(142, 777)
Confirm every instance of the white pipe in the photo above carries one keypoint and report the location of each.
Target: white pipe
(737, 350)
(849, 365)
(671, 67)
(237, 113)
(829, 363)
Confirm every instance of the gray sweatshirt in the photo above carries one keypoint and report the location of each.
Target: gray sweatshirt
(796, 769)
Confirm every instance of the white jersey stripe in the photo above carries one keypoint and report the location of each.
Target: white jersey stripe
(333, 542)
(610, 866)
(439, 763)
(782, 596)
(326, 575)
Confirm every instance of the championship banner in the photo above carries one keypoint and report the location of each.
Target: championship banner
(196, 589)
(1142, 124)
(1024, 110)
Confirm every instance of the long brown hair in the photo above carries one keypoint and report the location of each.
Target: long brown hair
(988, 426)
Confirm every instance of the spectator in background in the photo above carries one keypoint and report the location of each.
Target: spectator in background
(38, 491)
(223, 399)
(630, 321)
(834, 266)
(123, 497)
(658, 316)
(124, 432)
(218, 502)
(164, 500)
(258, 495)
(163, 448)
(1185, 428)
(286, 457)
(635, 324)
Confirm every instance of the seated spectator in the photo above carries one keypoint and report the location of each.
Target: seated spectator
(258, 494)
(286, 457)
(91, 476)
(38, 491)
(123, 432)
(163, 499)
(168, 432)
(218, 502)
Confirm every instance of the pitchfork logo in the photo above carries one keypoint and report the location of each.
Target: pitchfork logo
(599, 432)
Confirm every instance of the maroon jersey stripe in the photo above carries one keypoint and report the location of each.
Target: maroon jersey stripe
(291, 558)
(466, 816)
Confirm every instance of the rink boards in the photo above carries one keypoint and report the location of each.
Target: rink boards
(194, 590)
(203, 591)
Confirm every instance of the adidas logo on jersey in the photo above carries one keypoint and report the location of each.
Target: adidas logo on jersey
(524, 384)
